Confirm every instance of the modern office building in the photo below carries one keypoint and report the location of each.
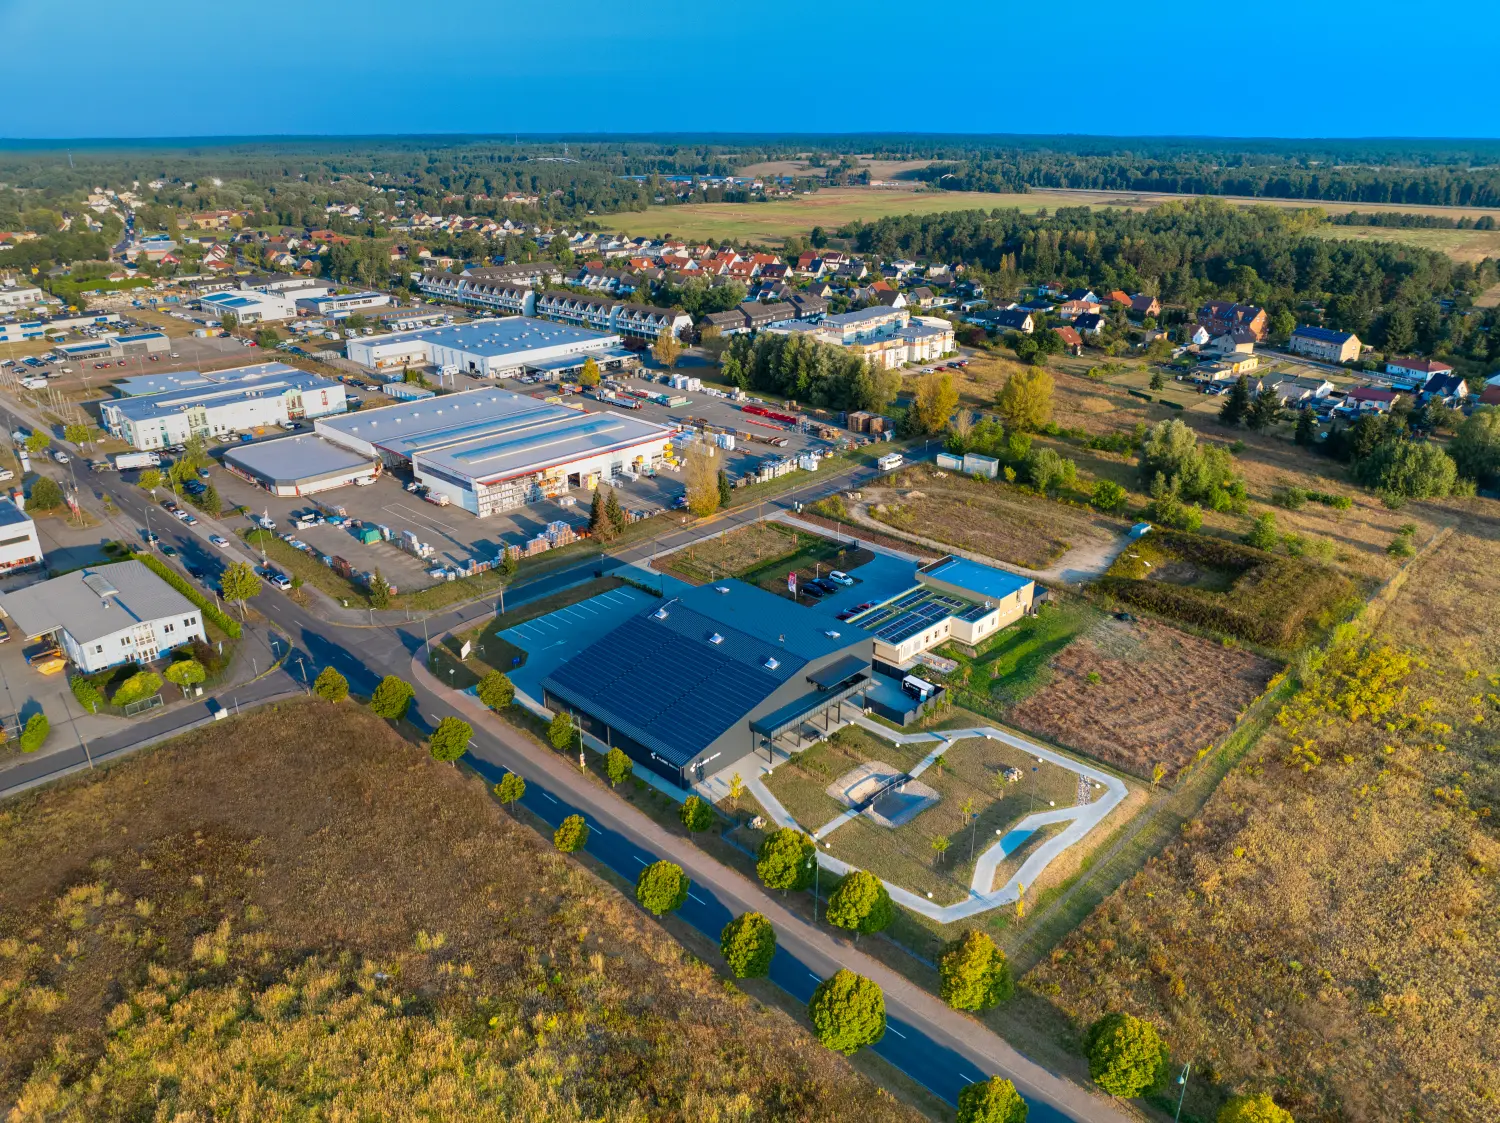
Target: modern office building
(886, 337)
(340, 304)
(702, 680)
(491, 348)
(106, 615)
(250, 306)
(233, 401)
(19, 546)
(492, 450)
(952, 599)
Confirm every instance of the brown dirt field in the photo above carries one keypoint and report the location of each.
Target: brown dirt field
(237, 878)
(732, 552)
(997, 521)
(1162, 695)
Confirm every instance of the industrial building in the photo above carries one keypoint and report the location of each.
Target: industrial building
(340, 304)
(249, 306)
(492, 348)
(301, 465)
(39, 327)
(233, 401)
(19, 546)
(704, 679)
(106, 615)
(492, 450)
(114, 347)
(952, 599)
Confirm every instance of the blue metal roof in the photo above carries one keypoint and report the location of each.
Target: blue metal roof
(981, 580)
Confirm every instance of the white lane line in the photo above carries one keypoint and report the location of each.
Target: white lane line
(641, 860)
(814, 976)
(697, 898)
(549, 796)
(896, 1031)
(971, 1079)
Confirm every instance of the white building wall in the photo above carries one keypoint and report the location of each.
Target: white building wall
(235, 416)
(19, 545)
(141, 642)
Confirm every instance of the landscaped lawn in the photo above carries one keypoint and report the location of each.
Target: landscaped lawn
(971, 771)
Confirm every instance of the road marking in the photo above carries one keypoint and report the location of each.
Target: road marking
(697, 898)
(971, 1079)
(547, 794)
(641, 860)
(815, 977)
(896, 1031)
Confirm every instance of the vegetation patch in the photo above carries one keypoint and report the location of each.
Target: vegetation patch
(1139, 695)
(1228, 588)
(222, 924)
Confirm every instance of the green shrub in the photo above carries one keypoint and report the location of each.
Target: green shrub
(1259, 1108)
(696, 814)
(974, 973)
(142, 684)
(496, 690)
(572, 834)
(748, 943)
(391, 698)
(662, 887)
(35, 733)
(1127, 1057)
(87, 693)
(330, 685)
(991, 1101)
(450, 740)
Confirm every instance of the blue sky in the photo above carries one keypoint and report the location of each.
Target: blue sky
(1277, 68)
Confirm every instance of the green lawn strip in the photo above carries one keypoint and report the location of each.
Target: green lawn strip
(1014, 662)
(298, 563)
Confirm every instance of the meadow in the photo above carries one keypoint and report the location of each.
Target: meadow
(319, 921)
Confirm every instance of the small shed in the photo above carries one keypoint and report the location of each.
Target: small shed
(976, 465)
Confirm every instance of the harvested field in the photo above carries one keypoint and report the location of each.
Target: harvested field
(1326, 926)
(1159, 697)
(319, 921)
(985, 517)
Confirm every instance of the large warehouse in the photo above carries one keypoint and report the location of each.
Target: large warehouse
(235, 402)
(494, 348)
(492, 450)
(299, 465)
(701, 681)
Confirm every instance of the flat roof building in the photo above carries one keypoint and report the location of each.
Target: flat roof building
(304, 464)
(493, 450)
(106, 615)
(335, 304)
(702, 680)
(952, 599)
(19, 546)
(249, 306)
(490, 348)
(231, 401)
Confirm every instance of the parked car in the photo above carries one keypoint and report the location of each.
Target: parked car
(811, 590)
(281, 581)
(170, 551)
(841, 577)
(827, 586)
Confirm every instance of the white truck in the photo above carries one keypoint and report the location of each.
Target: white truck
(125, 460)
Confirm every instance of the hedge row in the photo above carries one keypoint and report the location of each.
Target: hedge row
(211, 611)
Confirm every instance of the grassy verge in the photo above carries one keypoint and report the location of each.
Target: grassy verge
(1014, 662)
(211, 612)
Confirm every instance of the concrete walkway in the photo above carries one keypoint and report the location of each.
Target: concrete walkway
(1081, 819)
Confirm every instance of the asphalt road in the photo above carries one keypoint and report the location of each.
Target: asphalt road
(938, 1048)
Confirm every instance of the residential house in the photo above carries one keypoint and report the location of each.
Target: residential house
(775, 271)
(639, 321)
(808, 306)
(1450, 389)
(1072, 341)
(1120, 299)
(890, 298)
(1090, 323)
(1221, 316)
(1072, 309)
(1296, 391)
(1327, 344)
(1196, 336)
(1232, 343)
(732, 322)
(1008, 319)
(1411, 373)
(923, 297)
(1369, 399)
(821, 289)
(1143, 305)
(1086, 296)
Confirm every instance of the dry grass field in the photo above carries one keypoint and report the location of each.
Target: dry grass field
(1139, 694)
(1460, 245)
(1326, 926)
(318, 921)
(879, 169)
(985, 517)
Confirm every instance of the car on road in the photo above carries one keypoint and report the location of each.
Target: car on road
(190, 519)
(197, 574)
(842, 578)
(59, 455)
(151, 536)
(170, 551)
(219, 540)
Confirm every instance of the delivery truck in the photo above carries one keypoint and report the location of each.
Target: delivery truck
(126, 460)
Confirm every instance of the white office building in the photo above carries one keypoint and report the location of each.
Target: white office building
(20, 296)
(19, 546)
(249, 306)
(237, 401)
(495, 348)
(341, 304)
(106, 615)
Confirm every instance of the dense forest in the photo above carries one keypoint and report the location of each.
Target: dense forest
(1395, 296)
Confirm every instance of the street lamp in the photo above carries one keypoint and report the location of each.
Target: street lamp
(1182, 1080)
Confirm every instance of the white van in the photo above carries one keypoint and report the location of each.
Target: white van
(918, 688)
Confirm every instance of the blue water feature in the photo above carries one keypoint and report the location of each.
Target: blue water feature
(934, 1066)
(1013, 839)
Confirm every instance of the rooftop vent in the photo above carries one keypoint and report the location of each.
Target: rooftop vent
(721, 588)
(772, 663)
(660, 614)
(716, 638)
(831, 634)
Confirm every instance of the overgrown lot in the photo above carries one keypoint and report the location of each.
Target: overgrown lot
(318, 921)
(1227, 588)
(1138, 694)
(763, 553)
(985, 517)
(1327, 926)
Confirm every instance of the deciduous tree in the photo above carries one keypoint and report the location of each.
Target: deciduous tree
(560, 731)
(1262, 534)
(1025, 401)
(572, 834)
(496, 690)
(46, 495)
(932, 407)
(861, 904)
(974, 973)
(1127, 1057)
(510, 789)
(701, 476)
(1259, 1108)
(991, 1101)
(784, 860)
(748, 943)
(186, 673)
(391, 698)
(330, 685)
(1108, 495)
(238, 583)
(589, 375)
(847, 1012)
(450, 740)
(662, 887)
(617, 765)
(696, 814)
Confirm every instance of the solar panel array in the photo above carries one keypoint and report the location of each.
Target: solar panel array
(912, 612)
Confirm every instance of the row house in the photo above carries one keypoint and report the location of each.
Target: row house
(633, 320)
(499, 296)
(597, 278)
(1327, 344)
